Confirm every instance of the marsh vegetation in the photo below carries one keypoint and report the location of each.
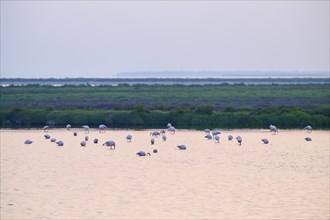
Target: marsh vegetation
(188, 106)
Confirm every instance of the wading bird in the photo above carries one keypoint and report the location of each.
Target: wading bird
(102, 128)
(239, 140)
(215, 132)
(208, 136)
(308, 139)
(265, 140)
(110, 144)
(142, 154)
(46, 127)
(182, 147)
(28, 141)
(171, 130)
(129, 138)
(309, 128)
(273, 129)
(60, 143)
(86, 128)
(154, 133)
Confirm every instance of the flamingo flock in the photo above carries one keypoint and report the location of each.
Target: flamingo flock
(208, 135)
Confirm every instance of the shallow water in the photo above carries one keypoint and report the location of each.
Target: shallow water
(286, 179)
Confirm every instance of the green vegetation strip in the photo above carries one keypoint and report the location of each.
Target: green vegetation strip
(153, 106)
(283, 118)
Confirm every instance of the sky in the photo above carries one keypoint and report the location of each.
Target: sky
(41, 39)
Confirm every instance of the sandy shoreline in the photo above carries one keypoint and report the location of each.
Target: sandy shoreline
(286, 179)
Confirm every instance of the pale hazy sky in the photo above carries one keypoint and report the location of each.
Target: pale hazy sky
(97, 39)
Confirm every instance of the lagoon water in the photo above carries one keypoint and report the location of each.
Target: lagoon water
(286, 179)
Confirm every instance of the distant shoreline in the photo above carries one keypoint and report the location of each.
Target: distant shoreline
(206, 74)
(248, 80)
(320, 76)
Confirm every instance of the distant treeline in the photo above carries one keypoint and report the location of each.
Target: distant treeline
(153, 106)
(202, 117)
